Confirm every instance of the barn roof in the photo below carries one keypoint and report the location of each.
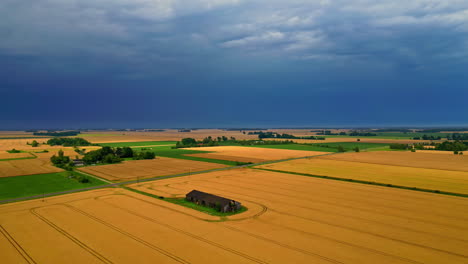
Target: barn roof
(207, 197)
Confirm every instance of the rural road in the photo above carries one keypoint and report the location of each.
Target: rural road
(149, 179)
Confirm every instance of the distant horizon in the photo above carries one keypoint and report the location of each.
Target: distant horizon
(244, 127)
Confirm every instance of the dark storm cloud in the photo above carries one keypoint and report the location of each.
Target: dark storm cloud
(201, 61)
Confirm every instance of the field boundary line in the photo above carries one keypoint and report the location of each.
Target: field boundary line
(16, 245)
(69, 236)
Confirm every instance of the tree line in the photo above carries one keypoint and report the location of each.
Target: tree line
(262, 135)
(57, 134)
(69, 142)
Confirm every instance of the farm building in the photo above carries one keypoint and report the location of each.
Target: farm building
(78, 162)
(220, 203)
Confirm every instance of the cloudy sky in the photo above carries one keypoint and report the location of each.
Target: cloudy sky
(233, 63)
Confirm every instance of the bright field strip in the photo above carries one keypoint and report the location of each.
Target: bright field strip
(441, 160)
(140, 169)
(291, 219)
(251, 154)
(429, 179)
(139, 144)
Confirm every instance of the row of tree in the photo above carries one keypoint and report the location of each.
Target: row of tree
(428, 137)
(68, 142)
(206, 142)
(57, 134)
(262, 135)
(452, 146)
(115, 155)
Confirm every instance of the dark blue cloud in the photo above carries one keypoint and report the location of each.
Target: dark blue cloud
(232, 63)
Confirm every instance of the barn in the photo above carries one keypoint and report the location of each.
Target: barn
(210, 200)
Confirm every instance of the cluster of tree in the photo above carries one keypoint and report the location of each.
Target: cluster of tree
(262, 142)
(184, 130)
(339, 148)
(115, 155)
(401, 130)
(426, 137)
(329, 133)
(457, 136)
(62, 161)
(206, 142)
(452, 146)
(78, 177)
(399, 146)
(57, 134)
(33, 144)
(67, 142)
(13, 151)
(262, 135)
(362, 134)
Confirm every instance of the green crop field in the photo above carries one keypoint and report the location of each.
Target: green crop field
(142, 143)
(21, 186)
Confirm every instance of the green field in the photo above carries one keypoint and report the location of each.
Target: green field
(21, 186)
(142, 143)
(325, 147)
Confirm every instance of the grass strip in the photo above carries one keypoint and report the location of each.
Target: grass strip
(369, 183)
(188, 204)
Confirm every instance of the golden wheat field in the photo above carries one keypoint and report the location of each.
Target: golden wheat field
(38, 165)
(432, 179)
(291, 219)
(26, 167)
(420, 159)
(251, 154)
(139, 169)
(6, 155)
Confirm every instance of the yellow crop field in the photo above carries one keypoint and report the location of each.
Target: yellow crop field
(139, 169)
(26, 167)
(422, 159)
(291, 219)
(251, 154)
(38, 165)
(6, 155)
(433, 179)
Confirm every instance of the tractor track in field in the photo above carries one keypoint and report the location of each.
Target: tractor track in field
(126, 234)
(17, 246)
(357, 230)
(187, 233)
(69, 236)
